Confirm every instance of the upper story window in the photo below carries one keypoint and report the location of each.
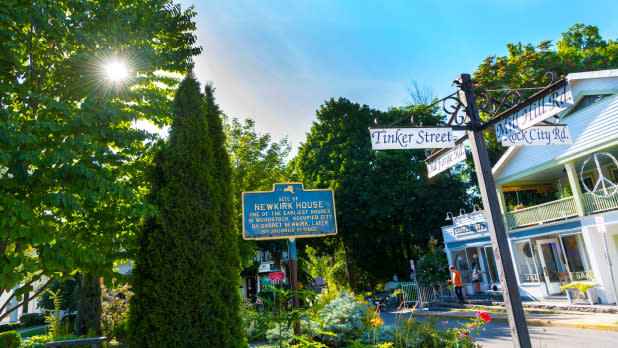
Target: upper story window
(588, 100)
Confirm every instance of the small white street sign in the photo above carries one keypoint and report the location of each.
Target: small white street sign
(447, 160)
(600, 222)
(540, 135)
(411, 138)
(540, 109)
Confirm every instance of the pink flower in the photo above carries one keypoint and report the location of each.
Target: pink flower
(444, 322)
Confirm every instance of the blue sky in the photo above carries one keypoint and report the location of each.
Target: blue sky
(277, 61)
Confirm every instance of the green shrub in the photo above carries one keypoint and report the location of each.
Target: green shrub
(255, 324)
(343, 317)
(433, 268)
(114, 307)
(120, 331)
(281, 333)
(10, 339)
(67, 289)
(9, 327)
(192, 234)
(32, 319)
(36, 342)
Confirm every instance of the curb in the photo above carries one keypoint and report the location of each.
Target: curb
(531, 321)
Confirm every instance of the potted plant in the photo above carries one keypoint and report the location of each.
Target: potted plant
(580, 290)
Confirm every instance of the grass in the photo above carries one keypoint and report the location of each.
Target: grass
(474, 309)
(33, 332)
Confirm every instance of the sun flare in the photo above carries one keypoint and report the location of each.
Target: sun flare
(116, 71)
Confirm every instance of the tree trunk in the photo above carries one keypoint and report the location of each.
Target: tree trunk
(89, 308)
(349, 268)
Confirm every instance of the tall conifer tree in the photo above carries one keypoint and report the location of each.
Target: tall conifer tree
(185, 279)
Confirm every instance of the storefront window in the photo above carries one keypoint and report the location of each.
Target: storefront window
(525, 262)
(576, 257)
(473, 258)
(491, 264)
(461, 263)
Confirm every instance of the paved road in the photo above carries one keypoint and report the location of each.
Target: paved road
(498, 335)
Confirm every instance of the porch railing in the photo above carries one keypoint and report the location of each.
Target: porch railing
(594, 204)
(550, 211)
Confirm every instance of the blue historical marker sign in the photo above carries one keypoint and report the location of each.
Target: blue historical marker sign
(287, 212)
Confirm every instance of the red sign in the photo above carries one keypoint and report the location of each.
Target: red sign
(276, 276)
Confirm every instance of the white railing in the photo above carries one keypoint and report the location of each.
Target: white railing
(424, 296)
(550, 211)
(594, 204)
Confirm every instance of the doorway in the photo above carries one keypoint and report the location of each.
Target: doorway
(552, 263)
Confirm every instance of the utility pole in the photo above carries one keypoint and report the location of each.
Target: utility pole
(499, 241)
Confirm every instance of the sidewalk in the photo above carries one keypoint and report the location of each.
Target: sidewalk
(599, 321)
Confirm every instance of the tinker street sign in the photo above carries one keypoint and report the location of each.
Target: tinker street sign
(540, 135)
(446, 160)
(411, 138)
(288, 212)
(536, 109)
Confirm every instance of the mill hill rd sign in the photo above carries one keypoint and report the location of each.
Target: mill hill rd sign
(539, 108)
(288, 212)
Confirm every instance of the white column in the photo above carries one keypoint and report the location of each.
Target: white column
(574, 182)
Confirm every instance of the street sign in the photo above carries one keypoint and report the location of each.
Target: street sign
(539, 108)
(447, 160)
(276, 276)
(411, 138)
(600, 222)
(288, 212)
(540, 135)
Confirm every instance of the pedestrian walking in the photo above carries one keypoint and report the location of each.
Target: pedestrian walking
(456, 280)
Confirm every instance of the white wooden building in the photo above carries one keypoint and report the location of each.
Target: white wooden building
(559, 203)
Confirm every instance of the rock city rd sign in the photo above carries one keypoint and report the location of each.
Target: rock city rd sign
(540, 135)
(411, 138)
(288, 212)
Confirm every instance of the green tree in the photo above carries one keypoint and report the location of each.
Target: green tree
(386, 207)
(337, 155)
(257, 163)
(526, 67)
(70, 158)
(187, 265)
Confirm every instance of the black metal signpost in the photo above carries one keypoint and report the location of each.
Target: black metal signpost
(517, 116)
(497, 232)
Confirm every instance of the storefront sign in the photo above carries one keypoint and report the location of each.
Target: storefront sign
(540, 135)
(411, 138)
(288, 212)
(477, 227)
(542, 107)
(276, 276)
(447, 160)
